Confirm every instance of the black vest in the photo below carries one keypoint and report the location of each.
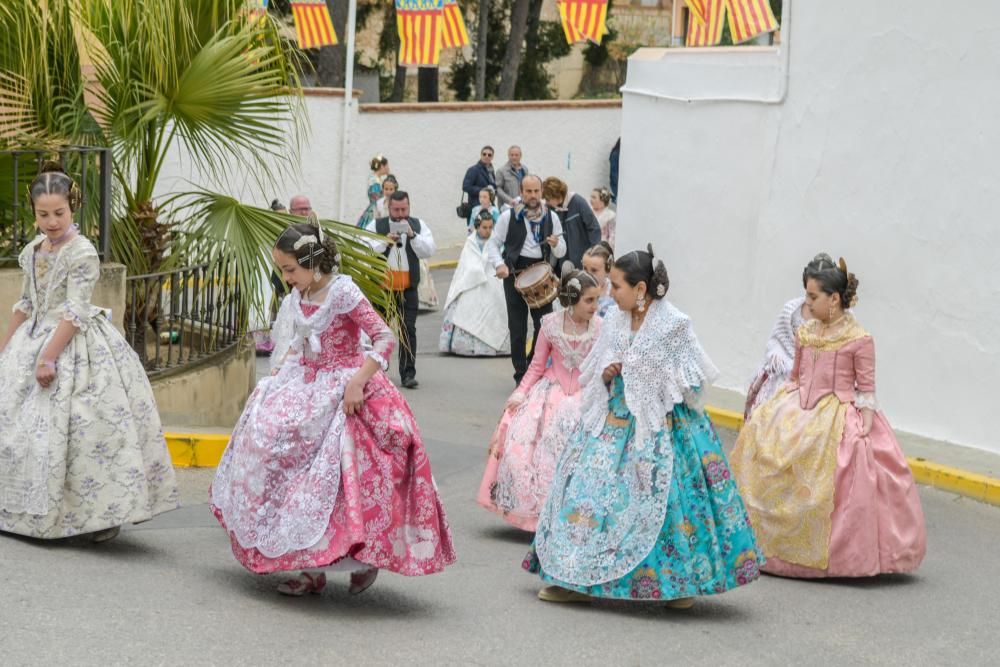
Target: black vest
(517, 232)
(382, 227)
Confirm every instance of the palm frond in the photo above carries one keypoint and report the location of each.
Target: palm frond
(219, 228)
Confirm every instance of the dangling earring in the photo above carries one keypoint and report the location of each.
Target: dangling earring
(641, 303)
(829, 313)
(317, 275)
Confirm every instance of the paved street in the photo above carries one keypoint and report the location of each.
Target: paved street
(170, 592)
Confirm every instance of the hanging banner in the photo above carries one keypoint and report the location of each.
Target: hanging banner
(584, 20)
(453, 32)
(419, 23)
(313, 26)
(747, 19)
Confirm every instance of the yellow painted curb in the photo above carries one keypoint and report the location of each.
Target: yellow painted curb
(196, 450)
(204, 450)
(444, 264)
(963, 482)
(956, 480)
(725, 418)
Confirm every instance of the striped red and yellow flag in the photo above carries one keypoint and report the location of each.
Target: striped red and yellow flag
(705, 21)
(419, 24)
(313, 26)
(569, 27)
(453, 32)
(749, 18)
(584, 20)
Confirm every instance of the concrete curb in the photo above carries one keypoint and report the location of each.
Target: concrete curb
(444, 264)
(204, 450)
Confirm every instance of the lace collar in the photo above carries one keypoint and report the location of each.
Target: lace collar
(341, 297)
(811, 334)
(573, 347)
(662, 365)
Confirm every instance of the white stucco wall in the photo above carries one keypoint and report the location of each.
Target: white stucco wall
(883, 151)
(429, 148)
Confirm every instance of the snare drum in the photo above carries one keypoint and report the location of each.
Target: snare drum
(538, 285)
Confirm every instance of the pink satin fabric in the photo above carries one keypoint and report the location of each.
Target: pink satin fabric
(877, 521)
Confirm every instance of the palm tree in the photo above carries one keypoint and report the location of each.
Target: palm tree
(144, 77)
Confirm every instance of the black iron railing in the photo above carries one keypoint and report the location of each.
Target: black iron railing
(177, 318)
(89, 166)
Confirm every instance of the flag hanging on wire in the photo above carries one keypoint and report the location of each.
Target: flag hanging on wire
(453, 32)
(747, 19)
(584, 20)
(573, 35)
(419, 23)
(313, 26)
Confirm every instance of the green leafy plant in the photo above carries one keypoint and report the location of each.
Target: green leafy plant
(147, 78)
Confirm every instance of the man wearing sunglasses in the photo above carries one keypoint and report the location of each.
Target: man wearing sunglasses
(479, 175)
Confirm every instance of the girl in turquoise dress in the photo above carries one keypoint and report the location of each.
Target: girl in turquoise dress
(380, 169)
(643, 505)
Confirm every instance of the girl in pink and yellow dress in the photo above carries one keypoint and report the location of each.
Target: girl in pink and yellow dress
(826, 484)
(543, 410)
(326, 468)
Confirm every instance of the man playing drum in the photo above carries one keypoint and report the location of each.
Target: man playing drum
(524, 236)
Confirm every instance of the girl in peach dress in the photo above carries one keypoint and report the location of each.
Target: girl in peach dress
(542, 413)
(826, 484)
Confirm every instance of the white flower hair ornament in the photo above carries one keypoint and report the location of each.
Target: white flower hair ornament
(661, 290)
(575, 284)
(304, 240)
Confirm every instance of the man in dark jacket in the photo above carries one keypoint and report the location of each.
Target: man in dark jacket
(578, 220)
(613, 161)
(479, 175)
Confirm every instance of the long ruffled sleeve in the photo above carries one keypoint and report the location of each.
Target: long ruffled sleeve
(539, 360)
(864, 375)
(82, 279)
(381, 335)
(282, 332)
(24, 304)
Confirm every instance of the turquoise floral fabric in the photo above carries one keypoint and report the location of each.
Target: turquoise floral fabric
(706, 544)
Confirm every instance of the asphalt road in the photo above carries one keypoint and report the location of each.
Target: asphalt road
(169, 591)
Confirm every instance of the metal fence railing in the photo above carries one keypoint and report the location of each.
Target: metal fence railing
(177, 318)
(89, 166)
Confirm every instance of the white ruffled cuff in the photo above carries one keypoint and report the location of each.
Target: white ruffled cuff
(25, 306)
(372, 354)
(865, 399)
(79, 316)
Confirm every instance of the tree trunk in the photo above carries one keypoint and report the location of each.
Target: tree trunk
(534, 22)
(482, 36)
(398, 84)
(427, 84)
(512, 57)
(332, 59)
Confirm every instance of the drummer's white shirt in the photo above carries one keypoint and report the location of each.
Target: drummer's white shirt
(531, 249)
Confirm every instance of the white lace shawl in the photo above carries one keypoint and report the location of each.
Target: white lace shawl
(780, 353)
(663, 365)
(292, 329)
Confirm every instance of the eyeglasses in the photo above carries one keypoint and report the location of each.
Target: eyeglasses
(487, 154)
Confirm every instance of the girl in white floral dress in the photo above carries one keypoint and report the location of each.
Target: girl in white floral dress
(81, 448)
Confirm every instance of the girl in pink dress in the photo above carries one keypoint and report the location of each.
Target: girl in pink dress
(827, 487)
(541, 413)
(326, 466)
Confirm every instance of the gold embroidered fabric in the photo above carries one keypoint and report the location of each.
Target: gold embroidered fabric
(785, 461)
(814, 334)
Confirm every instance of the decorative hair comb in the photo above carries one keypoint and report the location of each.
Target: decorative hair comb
(304, 240)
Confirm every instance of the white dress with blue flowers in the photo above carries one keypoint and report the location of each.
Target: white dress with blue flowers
(87, 453)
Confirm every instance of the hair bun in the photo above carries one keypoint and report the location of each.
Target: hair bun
(52, 167)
